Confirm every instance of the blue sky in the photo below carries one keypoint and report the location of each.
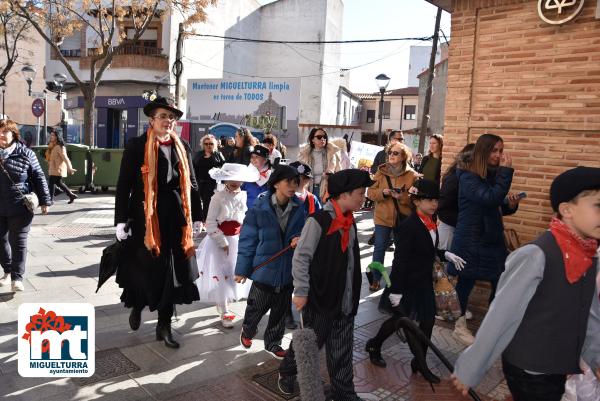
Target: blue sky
(377, 19)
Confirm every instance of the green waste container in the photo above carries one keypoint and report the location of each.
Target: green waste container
(107, 163)
(40, 152)
(78, 155)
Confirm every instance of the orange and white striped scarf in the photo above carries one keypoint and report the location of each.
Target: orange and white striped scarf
(149, 170)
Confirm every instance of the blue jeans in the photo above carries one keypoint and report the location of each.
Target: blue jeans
(382, 242)
(13, 244)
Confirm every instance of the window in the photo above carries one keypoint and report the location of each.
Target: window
(148, 39)
(386, 110)
(410, 112)
(370, 116)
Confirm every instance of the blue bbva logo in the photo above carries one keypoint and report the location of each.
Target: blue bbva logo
(56, 340)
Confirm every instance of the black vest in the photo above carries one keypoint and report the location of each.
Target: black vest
(552, 332)
(328, 271)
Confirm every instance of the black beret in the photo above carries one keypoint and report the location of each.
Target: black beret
(425, 189)
(348, 180)
(303, 169)
(568, 185)
(280, 173)
(261, 151)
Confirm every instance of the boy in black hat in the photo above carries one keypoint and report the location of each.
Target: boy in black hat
(546, 314)
(259, 158)
(327, 281)
(272, 225)
(411, 293)
(311, 201)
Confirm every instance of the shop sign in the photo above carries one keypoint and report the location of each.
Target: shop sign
(558, 12)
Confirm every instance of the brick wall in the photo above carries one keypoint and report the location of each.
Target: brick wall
(536, 85)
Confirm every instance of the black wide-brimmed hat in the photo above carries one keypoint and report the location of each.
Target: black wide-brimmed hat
(348, 180)
(261, 151)
(425, 189)
(303, 169)
(162, 103)
(571, 183)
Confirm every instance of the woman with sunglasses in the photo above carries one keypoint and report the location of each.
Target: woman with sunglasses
(323, 158)
(392, 204)
(204, 160)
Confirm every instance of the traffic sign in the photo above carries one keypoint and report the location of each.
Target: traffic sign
(37, 107)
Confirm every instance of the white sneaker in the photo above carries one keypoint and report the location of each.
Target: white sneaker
(18, 286)
(227, 320)
(462, 332)
(468, 315)
(5, 280)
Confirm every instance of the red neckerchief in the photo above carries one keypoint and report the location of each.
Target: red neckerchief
(168, 142)
(264, 173)
(577, 252)
(342, 221)
(428, 221)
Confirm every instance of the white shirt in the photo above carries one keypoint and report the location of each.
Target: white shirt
(224, 206)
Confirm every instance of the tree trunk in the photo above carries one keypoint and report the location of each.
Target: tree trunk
(88, 115)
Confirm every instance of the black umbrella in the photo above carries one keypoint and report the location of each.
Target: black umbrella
(112, 257)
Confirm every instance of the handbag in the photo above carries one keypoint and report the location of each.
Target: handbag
(399, 216)
(446, 299)
(30, 200)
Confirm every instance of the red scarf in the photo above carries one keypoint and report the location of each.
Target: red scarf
(577, 252)
(342, 221)
(264, 173)
(428, 221)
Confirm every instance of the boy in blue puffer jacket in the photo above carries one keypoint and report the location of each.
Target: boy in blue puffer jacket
(274, 222)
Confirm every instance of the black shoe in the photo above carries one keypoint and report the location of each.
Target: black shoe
(287, 384)
(72, 197)
(290, 324)
(424, 370)
(135, 318)
(371, 240)
(163, 333)
(375, 354)
(277, 352)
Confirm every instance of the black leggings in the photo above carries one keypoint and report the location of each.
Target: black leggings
(56, 180)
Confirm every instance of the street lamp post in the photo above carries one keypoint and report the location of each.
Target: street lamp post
(29, 75)
(59, 81)
(3, 102)
(382, 81)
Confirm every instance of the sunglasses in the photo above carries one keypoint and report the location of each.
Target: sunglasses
(394, 153)
(320, 137)
(399, 139)
(209, 144)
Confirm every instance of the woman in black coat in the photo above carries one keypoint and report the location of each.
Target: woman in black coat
(206, 159)
(20, 173)
(244, 143)
(411, 294)
(156, 170)
(431, 165)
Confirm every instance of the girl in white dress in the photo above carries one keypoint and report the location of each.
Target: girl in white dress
(217, 253)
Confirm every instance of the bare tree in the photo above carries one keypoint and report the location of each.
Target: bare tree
(55, 20)
(13, 30)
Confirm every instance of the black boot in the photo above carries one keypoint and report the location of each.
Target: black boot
(71, 196)
(163, 333)
(375, 354)
(419, 363)
(290, 324)
(135, 318)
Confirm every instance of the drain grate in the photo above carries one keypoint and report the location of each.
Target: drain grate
(110, 363)
(269, 381)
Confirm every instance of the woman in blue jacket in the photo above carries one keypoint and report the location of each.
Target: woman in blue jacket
(20, 173)
(275, 221)
(483, 199)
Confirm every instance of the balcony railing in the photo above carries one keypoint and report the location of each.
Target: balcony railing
(132, 49)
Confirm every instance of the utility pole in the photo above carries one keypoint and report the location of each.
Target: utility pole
(45, 116)
(178, 65)
(425, 113)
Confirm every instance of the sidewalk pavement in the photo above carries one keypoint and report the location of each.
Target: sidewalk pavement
(64, 250)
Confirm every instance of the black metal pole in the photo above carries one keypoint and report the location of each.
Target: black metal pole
(3, 97)
(380, 133)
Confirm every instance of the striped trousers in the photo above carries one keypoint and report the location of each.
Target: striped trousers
(261, 298)
(337, 334)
